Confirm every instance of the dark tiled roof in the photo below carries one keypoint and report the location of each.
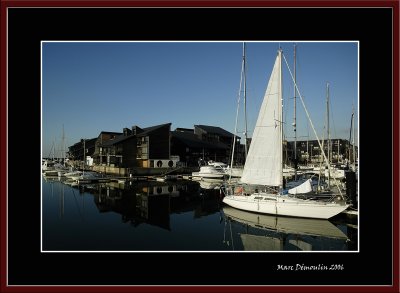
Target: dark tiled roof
(147, 130)
(185, 129)
(120, 138)
(193, 141)
(111, 132)
(215, 129)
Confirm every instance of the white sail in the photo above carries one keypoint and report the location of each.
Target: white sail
(264, 161)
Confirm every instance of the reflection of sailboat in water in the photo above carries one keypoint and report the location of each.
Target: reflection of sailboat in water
(211, 183)
(271, 232)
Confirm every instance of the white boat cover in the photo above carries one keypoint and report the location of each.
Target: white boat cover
(305, 187)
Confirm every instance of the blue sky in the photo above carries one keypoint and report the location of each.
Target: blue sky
(89, 87)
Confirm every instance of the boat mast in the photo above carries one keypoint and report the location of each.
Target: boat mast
(328, 138)
(281, 115)
(349, 148)
(84, 155)
(63, 146)
(242, 82)
(294, 118)
(354, 146)
(244, 100)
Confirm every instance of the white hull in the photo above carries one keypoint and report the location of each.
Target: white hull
(85, 176)
(224, 168)
(73, 173)
(50, 173)
(336, 173)
(208, 175)
(213, 184)
(299, 226)
(234, 172)
(211, 172)
(285, 206)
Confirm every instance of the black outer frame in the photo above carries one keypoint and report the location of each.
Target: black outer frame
(22, 264)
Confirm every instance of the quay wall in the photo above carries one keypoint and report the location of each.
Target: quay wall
(138, 171)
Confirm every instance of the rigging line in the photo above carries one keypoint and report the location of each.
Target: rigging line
(309, 118)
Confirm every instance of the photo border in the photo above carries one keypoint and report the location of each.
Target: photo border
(6, 161)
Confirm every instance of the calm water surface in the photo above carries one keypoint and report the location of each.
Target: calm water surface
(173, 216)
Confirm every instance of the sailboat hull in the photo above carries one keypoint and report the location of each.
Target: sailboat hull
(298, 226)
(285, 206)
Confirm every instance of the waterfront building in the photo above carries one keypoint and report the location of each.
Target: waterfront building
(135, 147)
(76, 151)
(192, 150)
(309, 151)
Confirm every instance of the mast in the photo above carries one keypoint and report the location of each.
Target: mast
(280, 115)
(351, 129)
(84, 155)
(244, 100)
(328, 138)
(242, 82)
(63, 146)
(354, 145)
(294, 118)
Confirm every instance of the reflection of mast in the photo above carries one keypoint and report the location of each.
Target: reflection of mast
(61, 200)
(227, 220)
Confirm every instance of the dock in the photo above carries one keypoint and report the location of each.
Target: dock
(123, 179)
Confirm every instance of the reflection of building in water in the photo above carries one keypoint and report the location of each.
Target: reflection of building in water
(193, 199)
(153, 202)
(260, 232)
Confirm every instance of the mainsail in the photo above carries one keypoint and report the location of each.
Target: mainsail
(264, 161)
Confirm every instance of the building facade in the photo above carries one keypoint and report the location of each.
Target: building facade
(309, 151)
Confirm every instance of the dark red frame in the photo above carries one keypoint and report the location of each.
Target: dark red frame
(3, 275)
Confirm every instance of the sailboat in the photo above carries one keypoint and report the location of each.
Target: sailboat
(262, 179)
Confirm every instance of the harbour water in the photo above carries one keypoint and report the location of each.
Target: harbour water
(174, 216)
